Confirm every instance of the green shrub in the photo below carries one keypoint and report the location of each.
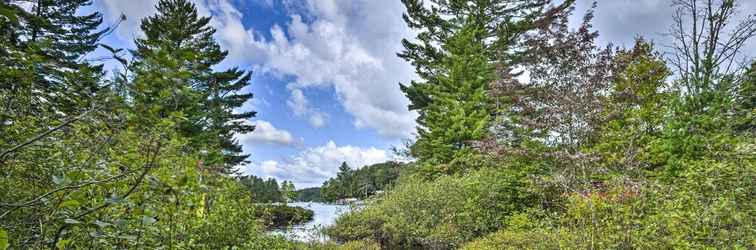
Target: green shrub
(228, 223)
(352, 245)
(507, 239)
(262, 241)
(356, 225)
(438, 214)
(710, 206)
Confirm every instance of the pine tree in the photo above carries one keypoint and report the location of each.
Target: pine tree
(460, 110)
(499, 23)
(174, 78)
(344, 170)
(223, 96)
(41, 52)
(328, 190)
(456, 50)
(345, 182)
(288, 191)
(53, 113)
(745, 102)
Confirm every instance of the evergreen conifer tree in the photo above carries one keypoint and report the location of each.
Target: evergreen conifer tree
(456, 50)
(345, 177)
(288, 191)
(745, 102)
(173, 77)
(460, 110)
(41, 51)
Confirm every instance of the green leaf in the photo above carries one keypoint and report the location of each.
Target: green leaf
(58, 180)
(112, 200)
(62, 244)
(69, 203)
(121, 222)
(96, 234)
(182, 181)
(148, 220)
(71, 221)
(127, 237)
(3, 239)
(101, 223)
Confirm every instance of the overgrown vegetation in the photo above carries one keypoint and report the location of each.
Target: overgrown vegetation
(530, 136)
(142, 160)
(597, 148)
(444, 212)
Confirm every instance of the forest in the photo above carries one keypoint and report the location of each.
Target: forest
(362, 182)
(143, 158)
(267, 190)
(529, 134)
(309, 195)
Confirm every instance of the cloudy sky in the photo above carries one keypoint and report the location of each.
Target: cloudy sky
(326, 73)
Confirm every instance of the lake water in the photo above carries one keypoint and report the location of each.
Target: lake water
(324, 216)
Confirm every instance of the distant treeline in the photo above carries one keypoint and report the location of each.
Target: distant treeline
(360, 183)
(265, 191)
(309, 194)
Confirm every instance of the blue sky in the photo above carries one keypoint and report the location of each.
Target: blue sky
(326, 73)
(325, 79)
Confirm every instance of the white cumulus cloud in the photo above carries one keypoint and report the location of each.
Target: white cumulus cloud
(313, 166)
(301, 107)
(265, 132)
(349, 46)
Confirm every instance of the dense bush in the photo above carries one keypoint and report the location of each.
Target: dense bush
(262, 241)
(509, 239)
(141, 160)
(352, 245)
(439, 214)
(230, 222)
(711, 207)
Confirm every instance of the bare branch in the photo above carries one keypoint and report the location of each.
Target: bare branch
(707, 52)
(42, 135)
(31, 202)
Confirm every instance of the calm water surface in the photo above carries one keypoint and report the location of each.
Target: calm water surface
(324, 216)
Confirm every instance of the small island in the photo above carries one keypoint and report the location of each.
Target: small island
(282, 215)
(271, 202)
(348, 186)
